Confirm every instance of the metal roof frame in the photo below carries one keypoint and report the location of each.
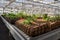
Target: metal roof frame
(27, 3)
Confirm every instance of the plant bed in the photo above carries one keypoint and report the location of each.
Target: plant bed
(52, 25)
(11, 18)
(58, 23)
(33, 25)
(42, 21)
(33, 29)
(12, 21)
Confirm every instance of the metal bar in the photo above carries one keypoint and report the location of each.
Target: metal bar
(15, 34)
(10, 3)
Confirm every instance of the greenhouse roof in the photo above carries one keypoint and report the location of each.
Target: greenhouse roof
(18, 3)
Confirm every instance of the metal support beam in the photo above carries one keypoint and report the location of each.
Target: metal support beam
(3, 9)
(10, 3)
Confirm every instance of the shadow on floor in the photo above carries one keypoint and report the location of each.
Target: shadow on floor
(4, 32)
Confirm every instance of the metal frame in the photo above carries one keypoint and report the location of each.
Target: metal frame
(11, 1)
(33, 3)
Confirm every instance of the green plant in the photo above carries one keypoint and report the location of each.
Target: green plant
(57, 16)
(27, 21)
(21, 15)
(11, 16)
(54, 18)
(4, 14)
(35, 16)
(45, 16)
(48, 18)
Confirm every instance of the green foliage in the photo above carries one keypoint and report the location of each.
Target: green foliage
(27, 21)
(11, 16)
(22, 15)
(52, 19)
(30, 18)
(48, 18)
(45, 16)
(4, 14)
(35, 16)
(57, 17)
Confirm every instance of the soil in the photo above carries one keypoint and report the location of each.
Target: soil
(32, 30)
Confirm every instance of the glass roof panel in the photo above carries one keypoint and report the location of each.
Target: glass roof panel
(18, 4)
(3, 3)
(15, 5)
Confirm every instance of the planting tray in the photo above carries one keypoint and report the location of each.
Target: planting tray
(19, 35)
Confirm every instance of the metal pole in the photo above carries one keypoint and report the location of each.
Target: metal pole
(3, 9)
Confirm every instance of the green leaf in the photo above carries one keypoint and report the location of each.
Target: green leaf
(45, 16)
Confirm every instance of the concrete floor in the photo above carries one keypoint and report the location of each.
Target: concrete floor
(4, 32)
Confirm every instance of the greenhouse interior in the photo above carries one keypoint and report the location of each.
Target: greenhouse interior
(29, 19)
